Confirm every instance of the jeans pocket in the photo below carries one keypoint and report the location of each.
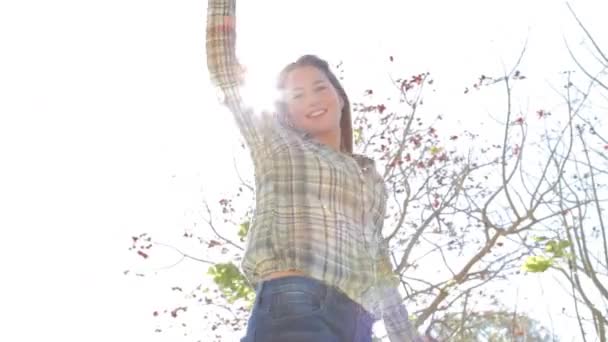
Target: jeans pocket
(294, 304)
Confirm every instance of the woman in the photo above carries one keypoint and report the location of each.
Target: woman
(315, 251)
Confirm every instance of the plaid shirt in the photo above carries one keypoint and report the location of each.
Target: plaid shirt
(317, 210)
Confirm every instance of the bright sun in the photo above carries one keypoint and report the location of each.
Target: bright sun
(259, 90)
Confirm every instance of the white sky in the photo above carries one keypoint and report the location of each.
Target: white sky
(101, 103)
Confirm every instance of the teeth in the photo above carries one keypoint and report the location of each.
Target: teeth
(317, 113)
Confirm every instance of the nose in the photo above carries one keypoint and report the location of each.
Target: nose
(313, 100)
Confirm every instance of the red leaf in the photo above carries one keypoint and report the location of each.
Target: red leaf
(144, 255)
(381, 108)
(213, 243)
(541, 113)
(519, 121)
(391, 58)
(453, 137)
(516, 150)
(605, 147)
(176, 310)
(369, 92)
(155, 313)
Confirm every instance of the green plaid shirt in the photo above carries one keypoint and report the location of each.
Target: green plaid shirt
(317, 210)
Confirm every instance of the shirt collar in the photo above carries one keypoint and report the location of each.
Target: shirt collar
(361, 159)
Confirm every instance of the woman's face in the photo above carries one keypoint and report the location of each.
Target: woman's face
(313, 104)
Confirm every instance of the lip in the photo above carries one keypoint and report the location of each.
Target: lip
(316, 113)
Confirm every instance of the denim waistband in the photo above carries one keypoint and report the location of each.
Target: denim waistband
(330, 295)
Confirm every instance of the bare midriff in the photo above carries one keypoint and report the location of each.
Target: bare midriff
(280, 274)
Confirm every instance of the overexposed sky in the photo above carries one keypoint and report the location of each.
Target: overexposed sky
(109, 126)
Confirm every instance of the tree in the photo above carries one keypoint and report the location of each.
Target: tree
(577, 247)
(472, 208)
(495, 326)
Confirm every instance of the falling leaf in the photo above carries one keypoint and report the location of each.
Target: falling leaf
(144, 255)
(391, 58)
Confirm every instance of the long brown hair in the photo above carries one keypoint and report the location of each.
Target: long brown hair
(346, 126)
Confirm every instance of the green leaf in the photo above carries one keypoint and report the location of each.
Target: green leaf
(358, 135)
(537, 264)
(558, 248)
(243, 230)
(540, 238)
(435, 150)
(231, 282)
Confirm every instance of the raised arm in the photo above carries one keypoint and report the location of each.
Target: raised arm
(227, 74)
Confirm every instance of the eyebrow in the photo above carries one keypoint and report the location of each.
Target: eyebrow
(315, 83)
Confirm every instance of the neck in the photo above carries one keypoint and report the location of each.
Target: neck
(331, 139)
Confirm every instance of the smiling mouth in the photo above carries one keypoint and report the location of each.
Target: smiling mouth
(316, 113)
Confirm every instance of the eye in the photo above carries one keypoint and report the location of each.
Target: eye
(320, 88)
(296, 96)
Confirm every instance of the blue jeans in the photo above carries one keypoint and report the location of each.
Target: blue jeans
(302, 309)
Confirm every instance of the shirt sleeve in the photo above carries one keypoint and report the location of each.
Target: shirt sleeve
(228, 75)
(393, 311)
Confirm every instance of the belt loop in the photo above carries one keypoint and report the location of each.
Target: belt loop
(259, 291)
